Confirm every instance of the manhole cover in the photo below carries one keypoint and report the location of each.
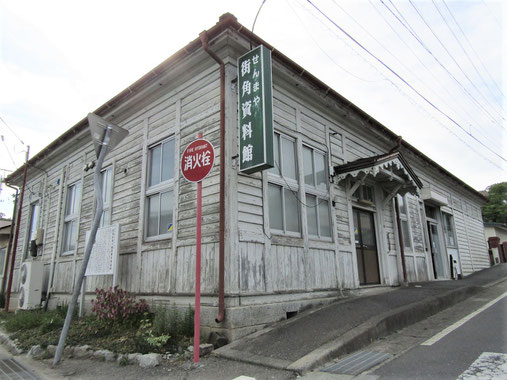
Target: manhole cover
(357, 363)
(11, 369)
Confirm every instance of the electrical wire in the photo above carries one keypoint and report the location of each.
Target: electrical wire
(438, 61)
(402, 64)
(7, 150)
(471, 47)
(463, 49)
(450, 55)
(407, 96)
(257, 15)
(405, 82)
(10, 129)
(463, 110)
(322, 50)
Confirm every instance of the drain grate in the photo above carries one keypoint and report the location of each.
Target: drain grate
(357, 363)
(11, 369)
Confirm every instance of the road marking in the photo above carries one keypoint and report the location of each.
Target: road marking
(489, 365)
(435, 338)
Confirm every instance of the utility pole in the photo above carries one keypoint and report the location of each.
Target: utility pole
(16, 236)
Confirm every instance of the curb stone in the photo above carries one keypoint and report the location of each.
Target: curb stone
(370, 330)
(76, 352)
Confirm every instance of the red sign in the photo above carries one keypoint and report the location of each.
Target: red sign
(197, 160)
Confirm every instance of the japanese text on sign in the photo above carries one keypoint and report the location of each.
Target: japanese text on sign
(197, 160)
(255, 111)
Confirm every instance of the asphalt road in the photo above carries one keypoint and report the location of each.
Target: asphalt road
(454, 353)
(450, 356)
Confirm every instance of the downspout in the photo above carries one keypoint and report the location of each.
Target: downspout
(400, 239)
(221, 265)
(16, 235)
(11, 235)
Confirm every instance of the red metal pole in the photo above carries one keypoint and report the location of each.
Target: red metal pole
(197, 314)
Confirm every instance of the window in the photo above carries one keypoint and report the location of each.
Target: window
(34, 222)
(159, 191)
(3, 252)
(107, 177)
(316, 194)
(71, 218)
(283, 188)
(450, 238)
(405, 229)
(364, 194)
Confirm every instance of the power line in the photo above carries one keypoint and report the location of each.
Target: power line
(10, 129)
(323, 51)
(471, 47)
(406, 83)
(463, 110)
(408, 96)
(498, 23)
(438, 61)
(450, 55)
(462, 48)
(7, 150)
(396, 58)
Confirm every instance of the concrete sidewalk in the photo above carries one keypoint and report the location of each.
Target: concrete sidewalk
(315, 337)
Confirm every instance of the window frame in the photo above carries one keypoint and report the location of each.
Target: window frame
(405, 218)
(321, 194)
(107, 196)
(276, 178)
(71, 217)
(451, 229)
(31, 232)
(159, 188)
(3, 251)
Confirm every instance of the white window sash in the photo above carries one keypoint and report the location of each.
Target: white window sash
(157, 189)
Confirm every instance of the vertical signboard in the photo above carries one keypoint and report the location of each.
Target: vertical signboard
(255, 111)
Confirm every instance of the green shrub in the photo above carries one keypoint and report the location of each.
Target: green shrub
(187, 328)
(24, 320)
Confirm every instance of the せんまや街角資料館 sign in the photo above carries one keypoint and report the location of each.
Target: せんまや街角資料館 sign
(255, 111)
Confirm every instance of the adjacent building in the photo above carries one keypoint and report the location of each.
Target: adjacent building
(496, 235)
(347, 205)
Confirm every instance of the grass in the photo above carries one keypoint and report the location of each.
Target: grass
(146, 334)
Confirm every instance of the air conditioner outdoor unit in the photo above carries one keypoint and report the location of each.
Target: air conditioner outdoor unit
(30, 291)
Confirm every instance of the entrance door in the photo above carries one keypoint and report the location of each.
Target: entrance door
(366, 247)
(436, 252)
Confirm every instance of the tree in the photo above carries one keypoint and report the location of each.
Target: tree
(496, 208)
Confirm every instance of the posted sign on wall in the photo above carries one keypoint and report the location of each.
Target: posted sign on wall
(255, 111)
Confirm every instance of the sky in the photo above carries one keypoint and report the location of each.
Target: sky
(429, 70)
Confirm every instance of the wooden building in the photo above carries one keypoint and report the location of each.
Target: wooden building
(322, 221)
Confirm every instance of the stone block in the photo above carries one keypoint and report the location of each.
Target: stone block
(104, 355)
(134, 358)
(51, 349)
(149, 360)
(37, 352)
(82, 352)
(205, 349)
(217, 340)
